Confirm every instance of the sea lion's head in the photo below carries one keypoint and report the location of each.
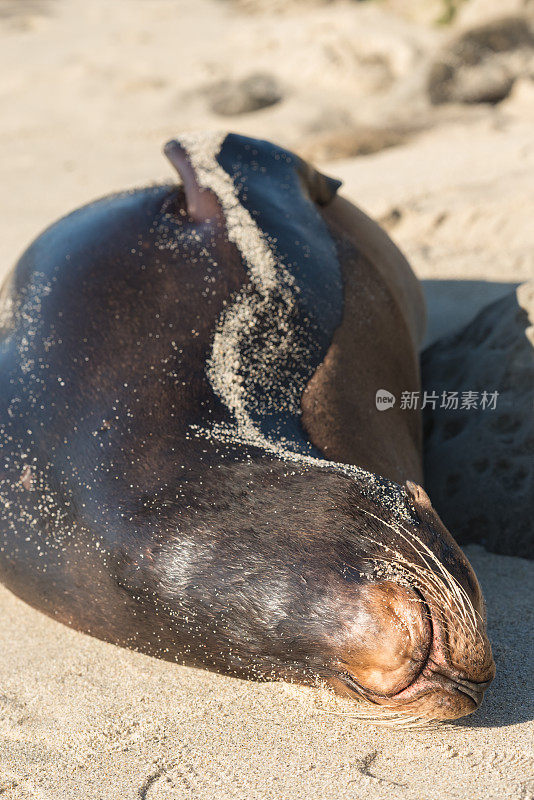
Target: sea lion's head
(325, 575)
(411, 637)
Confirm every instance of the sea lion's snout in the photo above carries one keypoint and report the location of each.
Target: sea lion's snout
(458, 670)
(414, 640)
(402, 655)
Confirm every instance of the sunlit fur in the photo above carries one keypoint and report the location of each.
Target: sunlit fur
(423, 571)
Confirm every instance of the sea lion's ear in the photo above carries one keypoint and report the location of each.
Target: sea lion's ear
(418, 496)
(321, 188)
(202, 204)
(424, 508)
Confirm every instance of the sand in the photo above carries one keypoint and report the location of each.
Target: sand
(81, 718)
(90, 92)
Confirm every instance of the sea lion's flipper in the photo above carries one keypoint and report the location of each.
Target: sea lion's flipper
(202, 204)
(321, 188)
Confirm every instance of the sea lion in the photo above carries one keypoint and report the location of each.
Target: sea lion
(193, 463)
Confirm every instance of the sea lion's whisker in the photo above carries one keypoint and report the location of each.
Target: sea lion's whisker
(458, 594)
(381, 715)
(455, 592)
(451, 580)
(429, 581)
(443, 592)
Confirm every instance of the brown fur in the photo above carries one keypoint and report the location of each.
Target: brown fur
(373, 348)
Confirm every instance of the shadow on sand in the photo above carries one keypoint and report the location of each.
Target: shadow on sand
(453, 304)
(507, 582)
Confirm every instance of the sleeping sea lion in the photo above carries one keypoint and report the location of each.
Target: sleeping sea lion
(193, 464)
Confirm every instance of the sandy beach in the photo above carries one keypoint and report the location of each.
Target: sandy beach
(91, 91)
(80, 718)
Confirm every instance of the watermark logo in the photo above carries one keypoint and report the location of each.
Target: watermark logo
(451, 401)
(384, 399)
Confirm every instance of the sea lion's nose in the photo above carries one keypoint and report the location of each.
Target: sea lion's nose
(472, 688)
